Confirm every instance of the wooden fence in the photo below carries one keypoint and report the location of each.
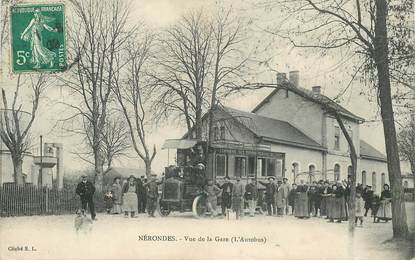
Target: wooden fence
(29, 200)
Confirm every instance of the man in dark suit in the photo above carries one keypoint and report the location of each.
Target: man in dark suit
(86, 190)
(270, 195)
(142, 195)
(226, 201)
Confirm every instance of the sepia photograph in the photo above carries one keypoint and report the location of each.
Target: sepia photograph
(207, 129)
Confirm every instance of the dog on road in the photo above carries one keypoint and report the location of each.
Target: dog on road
(82, 223)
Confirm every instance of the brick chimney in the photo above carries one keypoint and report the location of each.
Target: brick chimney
(294, 77)
(281, 77)
(316, 90)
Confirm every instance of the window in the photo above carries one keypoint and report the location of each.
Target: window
(221, 165)
(405, 184)
(295, 170)
(270, 167)
(215, 133)
(337, 138)
(251, 166)
(336, 172)
(382, 179)
(240, 166)
(311, 170)
(374, 181)
(364, 178)
(267, 167)
(279, 164)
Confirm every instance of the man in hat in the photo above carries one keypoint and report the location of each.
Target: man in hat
(152, 195)
(269, 195)
(237, 198)
(226, 201)
(142, 196)
(85, 189)
(251, 195)
(130, 200)
(279, 198)
(286, 187)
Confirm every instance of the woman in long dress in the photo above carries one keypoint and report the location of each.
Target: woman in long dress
(33, 33)
(130, 199)
(116, 196)
(385, 211)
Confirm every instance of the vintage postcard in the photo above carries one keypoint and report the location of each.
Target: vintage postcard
(215, 129)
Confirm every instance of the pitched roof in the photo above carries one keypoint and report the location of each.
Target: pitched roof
(369, 152)
(273, 130)
(308, 94)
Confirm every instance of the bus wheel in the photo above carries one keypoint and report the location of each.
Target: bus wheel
(199, 206)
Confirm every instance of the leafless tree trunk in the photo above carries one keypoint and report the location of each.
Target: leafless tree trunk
(129, 88)
(406, 143)
(363, 27)
(15, 124)
(98, 33)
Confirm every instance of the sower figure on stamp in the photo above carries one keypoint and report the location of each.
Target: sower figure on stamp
(251, 195)
(86, 190)
(226, 195)
(269, 195)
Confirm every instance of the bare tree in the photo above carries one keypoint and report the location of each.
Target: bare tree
(99, 31)
(199, 56)
(15, 124)
(363, 27)
(115, 141)
(129, 88)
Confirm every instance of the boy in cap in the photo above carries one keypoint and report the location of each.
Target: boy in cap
(269, 195)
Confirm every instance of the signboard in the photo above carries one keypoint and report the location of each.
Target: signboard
(38, 37)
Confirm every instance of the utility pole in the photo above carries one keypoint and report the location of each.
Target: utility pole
(41, 162)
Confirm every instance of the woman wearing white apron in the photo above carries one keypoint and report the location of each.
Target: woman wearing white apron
(130, 200)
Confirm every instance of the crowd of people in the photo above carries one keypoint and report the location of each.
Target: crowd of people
(133, 196)
(277, 198)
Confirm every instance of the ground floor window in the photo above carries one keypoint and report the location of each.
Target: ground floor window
(364, 178)
(240, 166)
(221, 165)
(336, 172)
(374, 181)
(251, 166)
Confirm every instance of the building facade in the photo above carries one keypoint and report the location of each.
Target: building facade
(292, 134)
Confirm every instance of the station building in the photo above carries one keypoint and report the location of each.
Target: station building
(291, 134)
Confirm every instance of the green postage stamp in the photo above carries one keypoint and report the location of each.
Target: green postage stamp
(38, 37)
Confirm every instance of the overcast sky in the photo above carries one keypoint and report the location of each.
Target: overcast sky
(329, 72)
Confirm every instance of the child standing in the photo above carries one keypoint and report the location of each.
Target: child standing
(360, 208)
